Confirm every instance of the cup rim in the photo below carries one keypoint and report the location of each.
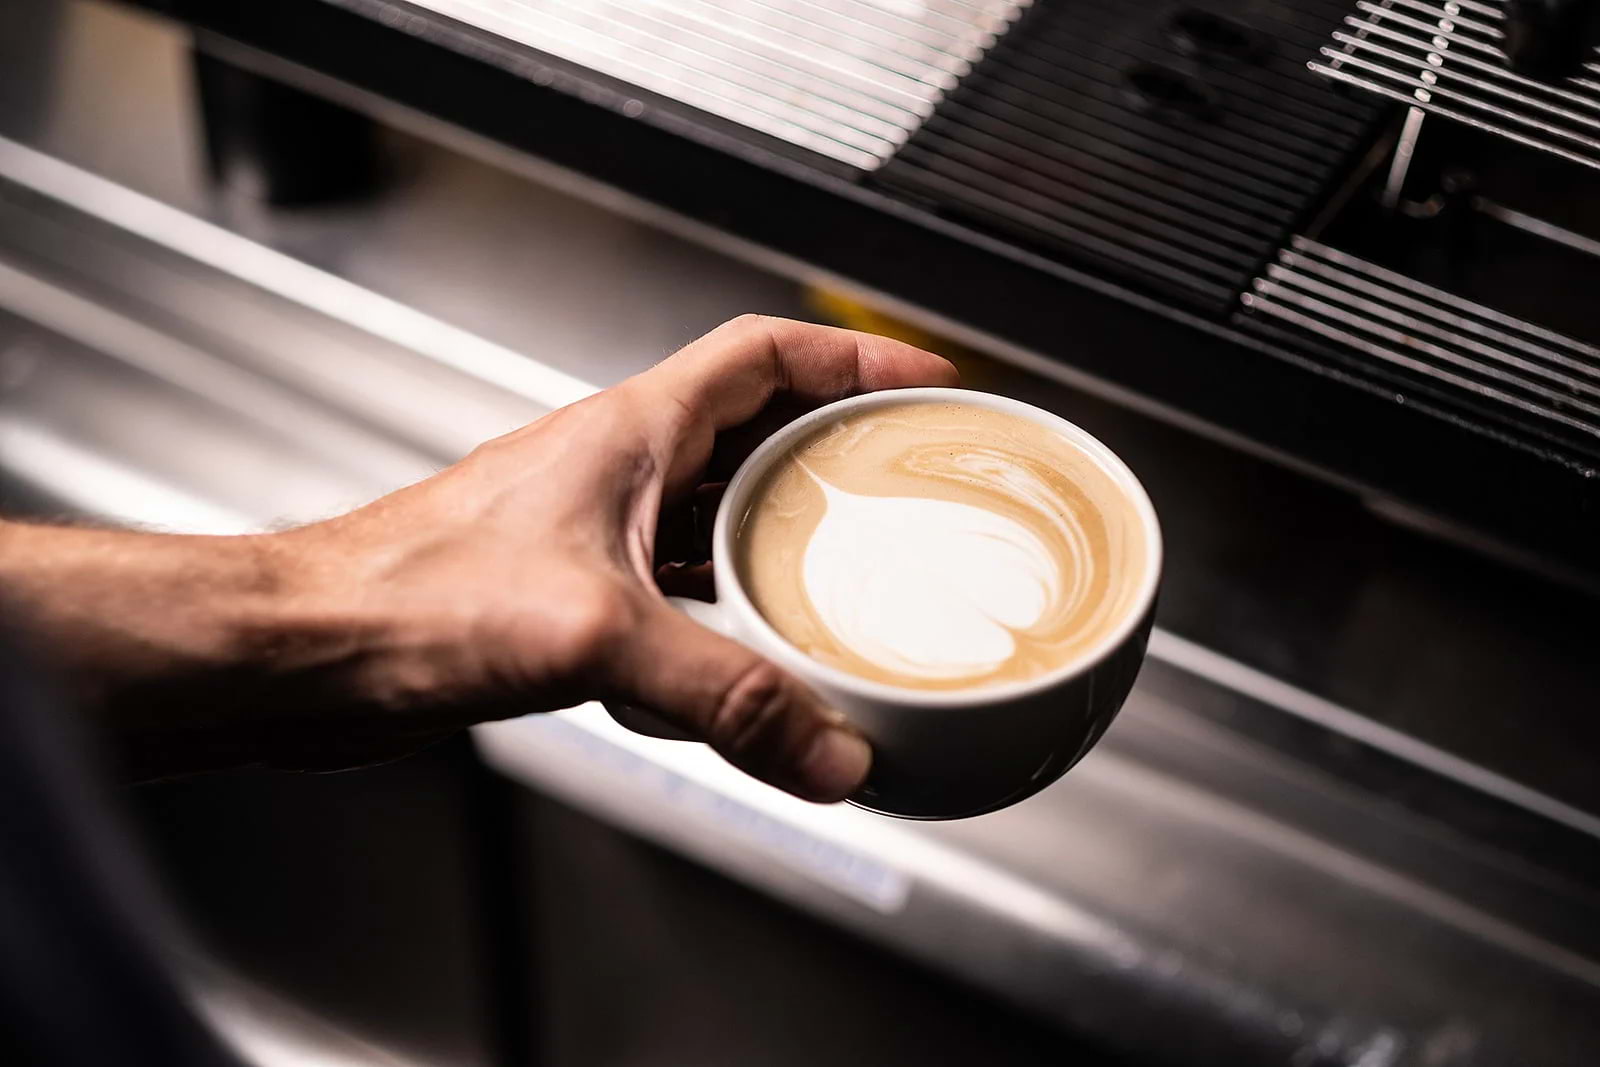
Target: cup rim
(731, 594)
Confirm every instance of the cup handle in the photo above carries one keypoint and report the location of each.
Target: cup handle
(643, 722)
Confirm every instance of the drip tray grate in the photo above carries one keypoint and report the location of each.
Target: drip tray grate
(1449, 60)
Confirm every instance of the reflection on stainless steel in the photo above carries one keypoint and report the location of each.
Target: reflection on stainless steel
(1451, 64)
(252, 262)
(182, 366)
(1220, 670)
(103, 435)
(1085, 902)
(850, 79)
(267, 1030)
(100, 485)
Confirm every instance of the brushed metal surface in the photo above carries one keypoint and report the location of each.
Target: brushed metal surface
(850, 79)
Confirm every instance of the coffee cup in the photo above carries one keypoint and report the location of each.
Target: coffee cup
(948, 753)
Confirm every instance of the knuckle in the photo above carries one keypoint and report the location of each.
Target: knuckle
(762, 339)
(750, 709)
(496, 452)
(641, 404)
(594, 417)
(749, 322)
(488, 451)
(755, 332)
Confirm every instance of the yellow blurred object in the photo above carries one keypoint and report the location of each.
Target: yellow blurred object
(845, 311)
(854, 315)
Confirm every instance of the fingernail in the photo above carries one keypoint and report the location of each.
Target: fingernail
(835, 765)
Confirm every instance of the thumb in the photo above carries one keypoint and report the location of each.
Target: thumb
(761, 719)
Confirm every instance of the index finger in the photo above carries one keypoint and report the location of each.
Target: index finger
(726, 377)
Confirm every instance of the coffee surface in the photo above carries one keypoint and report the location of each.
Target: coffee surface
(940, 546)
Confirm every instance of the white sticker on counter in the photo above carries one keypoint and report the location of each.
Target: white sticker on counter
(843, 869)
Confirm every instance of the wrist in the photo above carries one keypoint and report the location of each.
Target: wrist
(273, 666)
(327, 631)
(297, 628)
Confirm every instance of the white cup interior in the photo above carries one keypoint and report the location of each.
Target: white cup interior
(733, 599)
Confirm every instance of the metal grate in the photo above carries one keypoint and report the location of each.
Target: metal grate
(1452, 341)
(1447, 59)
(1051, 141)
(848, 79)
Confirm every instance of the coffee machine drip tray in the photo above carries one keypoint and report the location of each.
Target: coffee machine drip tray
(1459, 60)
(1528, 372)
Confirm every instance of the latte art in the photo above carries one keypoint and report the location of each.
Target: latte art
(940, 546)
(880, 572)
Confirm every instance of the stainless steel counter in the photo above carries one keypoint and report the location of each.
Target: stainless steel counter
(1348, 817)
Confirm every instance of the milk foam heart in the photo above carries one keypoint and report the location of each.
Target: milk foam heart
(927, 588)
(939, 546)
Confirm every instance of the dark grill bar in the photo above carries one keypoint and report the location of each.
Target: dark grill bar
(1175, 148)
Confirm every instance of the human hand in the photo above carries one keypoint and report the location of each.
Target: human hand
(524, 578)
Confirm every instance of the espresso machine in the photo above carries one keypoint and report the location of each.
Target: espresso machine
(1337, 259)
(1247, 196)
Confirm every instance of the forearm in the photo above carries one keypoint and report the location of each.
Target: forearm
(117, 606)
(185, 652)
